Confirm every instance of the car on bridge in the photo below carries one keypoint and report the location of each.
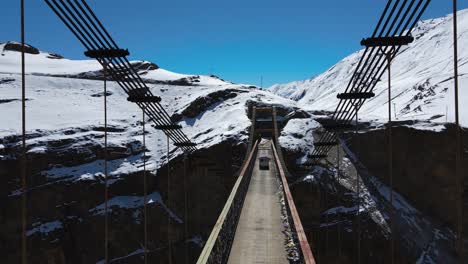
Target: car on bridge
(264, 163)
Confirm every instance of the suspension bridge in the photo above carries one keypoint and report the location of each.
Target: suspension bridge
(250, 227)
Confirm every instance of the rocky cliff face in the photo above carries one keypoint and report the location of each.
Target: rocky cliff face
(424, 174)
(66, 215)
(424, 197)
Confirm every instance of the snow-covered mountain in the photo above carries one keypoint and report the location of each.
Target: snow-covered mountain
(64, 123)
(422, 77)
(50, 64)
(66, 94)
(65, 117)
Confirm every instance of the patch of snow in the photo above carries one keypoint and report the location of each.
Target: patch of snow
(44, 228)
(309, 178)
(94, 170)
(40, 149)
(133, 202)
(134, 253)
(342, 210)
(197, 240)
(127, 202)
(297, 136)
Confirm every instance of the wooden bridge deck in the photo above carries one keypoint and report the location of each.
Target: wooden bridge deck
(258, 236)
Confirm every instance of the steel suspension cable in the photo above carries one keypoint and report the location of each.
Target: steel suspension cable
(358, 197)
(319, 235)
(145, 192)
(93, 36)
(24, 252)
(379, 73)
(154, 118)
(362, 81)
(358, 71)
(368, 81)
(326, 220)
(338, 149)
(387, 6)
(370, 67)
(392, 188)
(379, 65)
(86, 35)
(126, 60)
(106, 191)
(180, 137)
(390, 156)
(389, 18)
(169, 204)
(409, 20)
(185, 210)
(459, 180)
(151, 114)
(405, 16)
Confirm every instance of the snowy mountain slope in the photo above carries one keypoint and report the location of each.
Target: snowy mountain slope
(65, 117)
(50, 64)
(64, 121)
(422, 78)
(57, 103)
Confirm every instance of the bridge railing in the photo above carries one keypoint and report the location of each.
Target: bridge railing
(306, 253)
(218, 245)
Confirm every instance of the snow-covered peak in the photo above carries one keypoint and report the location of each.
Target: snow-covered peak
(44, 63)
(66, 95)
(41, 62)
(422, 77)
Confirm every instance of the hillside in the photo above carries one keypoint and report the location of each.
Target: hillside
(422, 78)
(64, 125)
(65, 94)
(65, 152)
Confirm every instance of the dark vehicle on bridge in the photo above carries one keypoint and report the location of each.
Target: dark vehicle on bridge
(264, 163)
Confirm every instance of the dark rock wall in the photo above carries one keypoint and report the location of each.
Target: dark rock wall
(333, 237)
(204, 180)
(423, 175)
(423, 166)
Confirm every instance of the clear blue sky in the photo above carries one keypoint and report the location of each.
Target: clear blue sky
(238, 40)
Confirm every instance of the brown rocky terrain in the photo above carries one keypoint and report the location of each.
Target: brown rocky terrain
(423, 177)
(65, 225)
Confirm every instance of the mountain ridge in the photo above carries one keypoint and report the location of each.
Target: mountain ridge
(422, 77)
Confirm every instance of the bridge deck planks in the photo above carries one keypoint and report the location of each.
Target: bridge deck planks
(259, 237)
